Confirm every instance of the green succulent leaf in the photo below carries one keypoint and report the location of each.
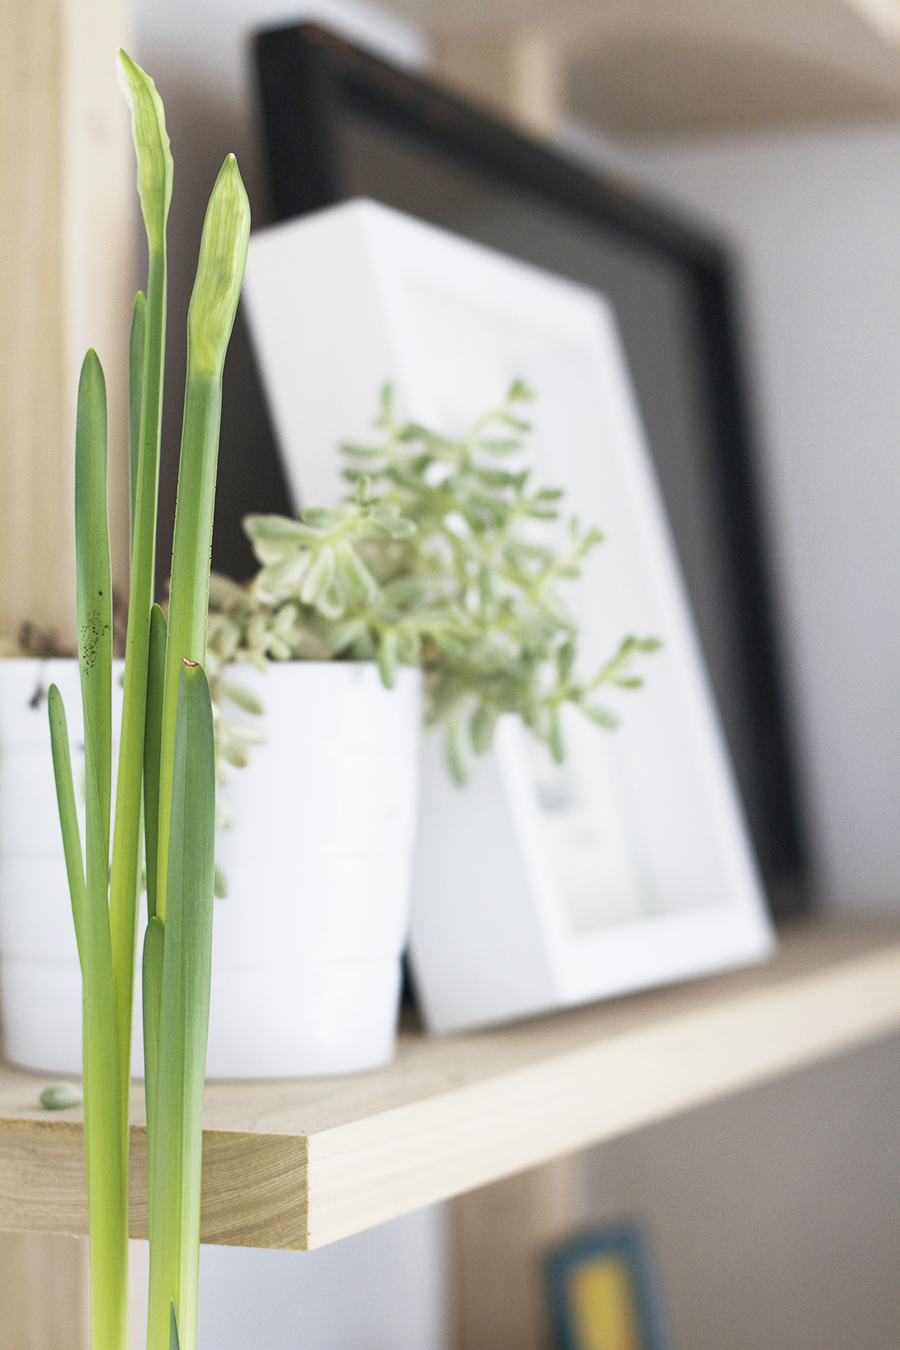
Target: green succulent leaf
(435, 558)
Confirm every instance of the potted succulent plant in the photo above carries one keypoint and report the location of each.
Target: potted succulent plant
(436, 576)
(436, 567)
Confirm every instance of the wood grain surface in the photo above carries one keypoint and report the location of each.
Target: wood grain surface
(301, 1163)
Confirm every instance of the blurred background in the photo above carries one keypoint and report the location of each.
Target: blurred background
(776, 126)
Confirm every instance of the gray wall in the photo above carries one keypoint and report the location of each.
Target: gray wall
(815, 220)
(774, 1216)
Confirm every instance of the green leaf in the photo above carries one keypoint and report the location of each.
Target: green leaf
(151, 990)
(555, 736)
(320, 519)
(145, 397)
(135, 387)
(457, 749)
(152, 749)
(148, 127)
(174, 1183)
(104, 1124)
(500, 445)
(94, 611)
(243, 697)
(484, 723)
(356, 577)
(387, 658)
(319, 576)
(565, 659)
(174, 1343)
(220, 883)
(602, 716)
(68, 816)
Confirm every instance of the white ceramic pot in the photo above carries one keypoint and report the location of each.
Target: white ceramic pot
(40, 980)
(307, 945)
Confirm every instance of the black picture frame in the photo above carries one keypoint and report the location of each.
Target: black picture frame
(310, 82)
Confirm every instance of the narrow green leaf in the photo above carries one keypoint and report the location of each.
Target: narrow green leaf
(68, 816)
(174, 1343)
(152, 748)
(151, 990)
(154, 171)
(555, 736)
(94, 611)
(602, 716)
(148, 128)
(387, 658)
(319, 578)
(135, 387)
(357, 578)
(104, 1131)
(457, 749)
(244, 698)
(484, 723)
(565, 660)
(174, 1184)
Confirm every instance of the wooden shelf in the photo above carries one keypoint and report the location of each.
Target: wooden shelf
(299, 1164)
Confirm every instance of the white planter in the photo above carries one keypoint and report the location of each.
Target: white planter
(307, 946)
(40, 980)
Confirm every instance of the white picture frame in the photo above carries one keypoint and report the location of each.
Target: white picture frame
(535, 887)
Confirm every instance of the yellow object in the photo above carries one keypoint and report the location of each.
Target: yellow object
(602, 1300)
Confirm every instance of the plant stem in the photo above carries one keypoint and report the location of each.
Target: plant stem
(105, 1140)
(220, 273)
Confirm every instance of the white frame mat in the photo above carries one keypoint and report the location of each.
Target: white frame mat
(536, 886)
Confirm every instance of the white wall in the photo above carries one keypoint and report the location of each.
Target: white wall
(769, 1198)
(815, 218)
(380, 1290)
(776, 1214)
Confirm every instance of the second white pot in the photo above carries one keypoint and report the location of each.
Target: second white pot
(307, 945)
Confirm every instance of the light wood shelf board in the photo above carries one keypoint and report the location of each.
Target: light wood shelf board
(302, 1163)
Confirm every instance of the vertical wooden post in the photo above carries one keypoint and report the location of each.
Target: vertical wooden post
(499, 1235)
(44, 1296)
(501, 1231)
(520, 74)
(66, 263)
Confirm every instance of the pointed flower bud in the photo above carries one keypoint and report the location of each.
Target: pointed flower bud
(220, 272)
(151, 143)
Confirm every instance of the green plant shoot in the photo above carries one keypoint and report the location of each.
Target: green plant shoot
(166, 764)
